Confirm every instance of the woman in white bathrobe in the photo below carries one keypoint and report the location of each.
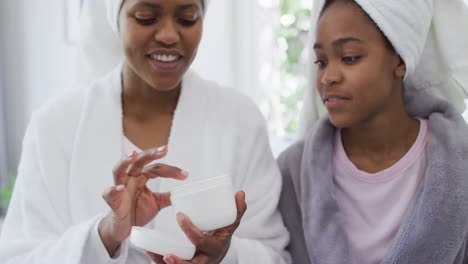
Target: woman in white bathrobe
(73, 145)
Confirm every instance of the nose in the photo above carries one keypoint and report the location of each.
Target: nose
(331, 75)
(167, 33)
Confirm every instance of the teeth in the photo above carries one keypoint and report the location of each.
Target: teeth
(165, 58)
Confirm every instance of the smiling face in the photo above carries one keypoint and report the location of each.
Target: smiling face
(358, 77)
(160, 39)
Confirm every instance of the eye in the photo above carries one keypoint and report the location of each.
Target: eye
(186, 22)
(321, 63)
(351, 59)
(145, 21)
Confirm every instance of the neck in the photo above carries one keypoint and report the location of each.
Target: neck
(392, 131)
(380, 137)
(143, 101)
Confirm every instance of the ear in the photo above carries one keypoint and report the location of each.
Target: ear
(400, 70)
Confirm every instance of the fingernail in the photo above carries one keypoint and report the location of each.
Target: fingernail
(184, 173)
(160, 149)
(168, 260)
(131, 155)
(120, 188)
(180, 217)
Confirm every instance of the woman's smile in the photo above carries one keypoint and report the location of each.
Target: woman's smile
(166, 60)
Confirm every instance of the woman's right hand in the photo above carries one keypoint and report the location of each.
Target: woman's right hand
(130, 200)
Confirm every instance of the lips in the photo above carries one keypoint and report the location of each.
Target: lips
(335, 101)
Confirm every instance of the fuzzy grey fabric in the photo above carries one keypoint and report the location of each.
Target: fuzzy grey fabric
(435, 227)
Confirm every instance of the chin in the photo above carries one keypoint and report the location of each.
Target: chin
(340, 121)
(166, 84)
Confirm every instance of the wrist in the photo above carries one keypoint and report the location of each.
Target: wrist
(105, 230)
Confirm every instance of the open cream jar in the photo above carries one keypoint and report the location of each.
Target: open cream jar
(210, 203)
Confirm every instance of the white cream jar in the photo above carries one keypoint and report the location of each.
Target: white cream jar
(210, 203)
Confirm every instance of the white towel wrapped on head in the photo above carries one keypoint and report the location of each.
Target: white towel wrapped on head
(113, 9)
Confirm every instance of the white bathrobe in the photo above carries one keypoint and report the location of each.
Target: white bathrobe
(72, 144)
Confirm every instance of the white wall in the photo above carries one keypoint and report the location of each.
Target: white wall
(228, 52)
(214, 60)
(37, 61)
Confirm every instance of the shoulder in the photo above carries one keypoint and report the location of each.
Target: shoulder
(52, 127)
(59, 112)
(57, 121)
(289, 163)
(65, 109)
(290, 159)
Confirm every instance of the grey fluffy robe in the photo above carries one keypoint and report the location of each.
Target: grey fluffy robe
(435, 227)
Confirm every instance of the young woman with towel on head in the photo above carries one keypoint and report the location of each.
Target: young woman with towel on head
(150, 99)
(384, 177)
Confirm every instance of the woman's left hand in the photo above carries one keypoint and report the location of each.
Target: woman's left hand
(211, 247)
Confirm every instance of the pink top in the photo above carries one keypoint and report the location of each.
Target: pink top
(373, 205)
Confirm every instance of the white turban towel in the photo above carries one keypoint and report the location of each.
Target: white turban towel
(99, 49)
(113, 10)
(431, 36)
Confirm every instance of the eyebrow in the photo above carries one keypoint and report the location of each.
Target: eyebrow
(160, 7)
(339, 42)
(187, 6)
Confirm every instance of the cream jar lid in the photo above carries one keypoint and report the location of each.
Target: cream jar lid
(160, 243)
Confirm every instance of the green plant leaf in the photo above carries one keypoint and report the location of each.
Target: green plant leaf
(295, 36)
(6, 193)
